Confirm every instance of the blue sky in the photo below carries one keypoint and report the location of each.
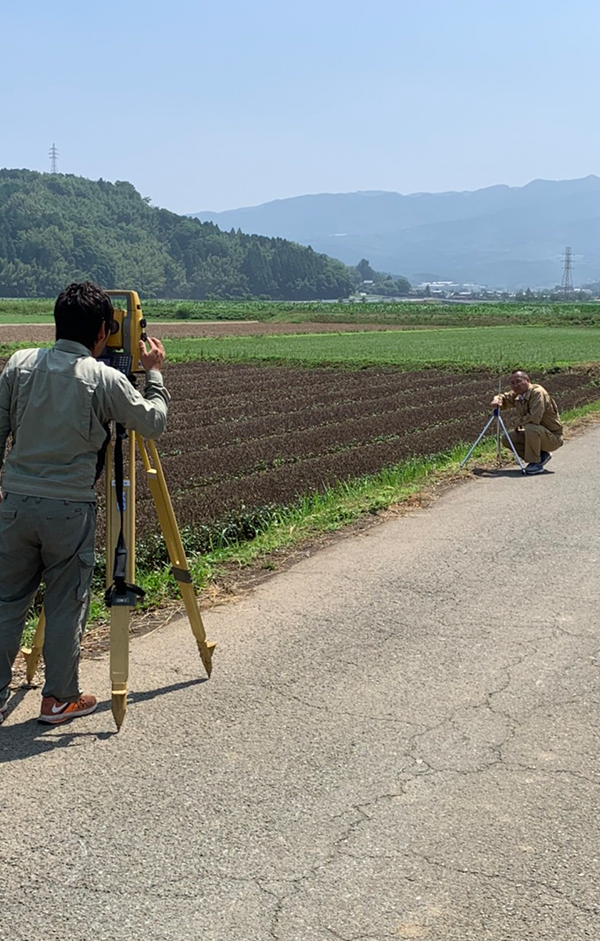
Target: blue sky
(232, 103)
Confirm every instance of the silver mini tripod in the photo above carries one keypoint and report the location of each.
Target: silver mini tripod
(499, 425)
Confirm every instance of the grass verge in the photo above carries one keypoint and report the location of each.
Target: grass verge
(338, 507)
(289, 528)
(317, 514)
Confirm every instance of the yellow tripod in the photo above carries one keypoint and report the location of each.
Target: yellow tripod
(123, 604)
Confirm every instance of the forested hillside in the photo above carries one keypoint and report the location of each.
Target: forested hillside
(56, 228)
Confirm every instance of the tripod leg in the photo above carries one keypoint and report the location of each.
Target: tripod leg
(473, 446)
(119, 660)
(32, 654)
(510, 441)
(170, 530)
(120, 614)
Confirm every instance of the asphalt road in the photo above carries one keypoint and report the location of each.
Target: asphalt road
(400, 740)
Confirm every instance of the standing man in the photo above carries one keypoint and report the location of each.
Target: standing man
(55, 405)
(539, 429)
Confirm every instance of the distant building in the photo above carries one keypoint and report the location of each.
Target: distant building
(439, 287)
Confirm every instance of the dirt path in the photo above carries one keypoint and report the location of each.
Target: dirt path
(44, 333)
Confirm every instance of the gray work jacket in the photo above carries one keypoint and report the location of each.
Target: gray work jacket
(55, 404)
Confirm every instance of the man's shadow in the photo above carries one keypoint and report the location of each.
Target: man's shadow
(31, 738)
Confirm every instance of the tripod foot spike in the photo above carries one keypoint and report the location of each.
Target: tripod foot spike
(118, 705)
(206, 651)
(32, 656)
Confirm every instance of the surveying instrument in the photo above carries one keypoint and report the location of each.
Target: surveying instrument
(497, 417)
(500, 426)
(122, 594)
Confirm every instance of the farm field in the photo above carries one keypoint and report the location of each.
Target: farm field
(44, 332)
(258, 422)
(359, 344)
(459, 347)
(243, 439)
(407, 313)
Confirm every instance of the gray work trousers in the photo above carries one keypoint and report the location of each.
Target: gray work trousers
(53, 541)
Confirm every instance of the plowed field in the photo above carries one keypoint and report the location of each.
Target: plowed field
(240, 438)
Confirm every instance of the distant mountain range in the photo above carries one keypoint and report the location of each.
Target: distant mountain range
(500, 236)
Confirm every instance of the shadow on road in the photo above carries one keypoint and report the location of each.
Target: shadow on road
(502, 472)
(31, 738)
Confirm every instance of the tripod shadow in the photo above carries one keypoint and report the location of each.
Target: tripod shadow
(503, 472)
(31, 738)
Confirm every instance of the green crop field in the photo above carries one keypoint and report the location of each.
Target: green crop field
(26, 310)
(509, 346)
(430, 313)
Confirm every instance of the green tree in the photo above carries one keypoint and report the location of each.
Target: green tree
(365, 271)
(56, 227)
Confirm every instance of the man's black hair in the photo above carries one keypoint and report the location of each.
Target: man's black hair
(80, 311)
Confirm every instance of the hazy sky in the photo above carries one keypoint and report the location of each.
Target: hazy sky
(215, 105)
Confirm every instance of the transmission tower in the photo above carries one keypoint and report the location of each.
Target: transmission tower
(53, 154)
(566, 285)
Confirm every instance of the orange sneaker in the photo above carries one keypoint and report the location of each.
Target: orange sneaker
(55, 712)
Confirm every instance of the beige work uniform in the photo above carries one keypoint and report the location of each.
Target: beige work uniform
(539, 423)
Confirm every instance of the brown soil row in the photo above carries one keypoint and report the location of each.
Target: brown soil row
(44, 333)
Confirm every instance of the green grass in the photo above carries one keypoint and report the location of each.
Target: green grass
(309, 517)
(26, 310)
(534, 348)
(327, 512)
(430, 313)
(529, 347)
(306, 519)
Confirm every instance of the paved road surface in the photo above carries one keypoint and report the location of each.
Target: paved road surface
(400, 740)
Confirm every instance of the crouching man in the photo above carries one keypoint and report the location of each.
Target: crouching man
(55, 405)
(538, 429)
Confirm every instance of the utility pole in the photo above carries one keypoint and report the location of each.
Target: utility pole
(53, 154)
(566, 285)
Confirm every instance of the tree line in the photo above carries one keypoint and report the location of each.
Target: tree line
(57, 228)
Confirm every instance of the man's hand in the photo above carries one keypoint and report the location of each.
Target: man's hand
(154, 357)
(497, 400)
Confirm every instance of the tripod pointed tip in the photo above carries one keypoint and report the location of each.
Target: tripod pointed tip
(206, 651)
(32, 656)
(118, 706)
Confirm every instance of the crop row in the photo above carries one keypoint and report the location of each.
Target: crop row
(215, 394)
(232, 460)
(343, 423)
